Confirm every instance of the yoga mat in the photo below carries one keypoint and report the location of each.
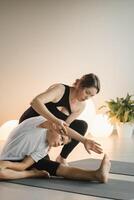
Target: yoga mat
(117, 167)
(114, 189)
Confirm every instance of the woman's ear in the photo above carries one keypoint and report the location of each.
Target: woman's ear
(76, 83)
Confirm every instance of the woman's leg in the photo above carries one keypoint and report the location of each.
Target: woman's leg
(100, 174)
(81, 127)
(30, 112)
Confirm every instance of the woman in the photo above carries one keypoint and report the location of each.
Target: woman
(62, 104)
(26, 146)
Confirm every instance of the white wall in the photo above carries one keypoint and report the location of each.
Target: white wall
(48, 41)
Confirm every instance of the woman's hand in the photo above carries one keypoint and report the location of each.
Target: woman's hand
(92, 145)
(60, 127)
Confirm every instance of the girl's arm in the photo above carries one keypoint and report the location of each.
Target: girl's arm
(18, 166)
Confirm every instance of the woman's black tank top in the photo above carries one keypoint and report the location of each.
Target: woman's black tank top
(52, 107)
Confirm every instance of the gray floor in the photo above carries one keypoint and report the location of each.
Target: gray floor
(117, 148)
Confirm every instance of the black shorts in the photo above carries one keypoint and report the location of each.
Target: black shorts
(48, 165)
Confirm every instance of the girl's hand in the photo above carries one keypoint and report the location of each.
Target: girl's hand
(92, 145)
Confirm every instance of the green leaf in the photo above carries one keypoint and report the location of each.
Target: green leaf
(121, 109)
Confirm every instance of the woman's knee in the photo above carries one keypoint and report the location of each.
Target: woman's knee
(80, 126)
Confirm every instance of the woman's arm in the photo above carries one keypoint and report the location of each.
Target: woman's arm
(53, 94)
(88, 144)
(18, 166)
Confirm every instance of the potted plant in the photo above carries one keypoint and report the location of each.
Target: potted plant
(121, 113)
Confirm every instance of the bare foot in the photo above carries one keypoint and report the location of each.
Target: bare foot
(61, 160)
(39, 173)
(103, 171)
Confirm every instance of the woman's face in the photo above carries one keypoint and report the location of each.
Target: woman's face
(86, 93)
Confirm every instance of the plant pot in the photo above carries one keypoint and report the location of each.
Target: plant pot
(125, 130)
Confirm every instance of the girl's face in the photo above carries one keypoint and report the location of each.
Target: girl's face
(86, 93)
(54, 139)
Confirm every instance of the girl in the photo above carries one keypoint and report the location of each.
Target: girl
(28, 143)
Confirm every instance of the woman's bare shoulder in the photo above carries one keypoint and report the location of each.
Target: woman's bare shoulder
(57, 86)
(54, 92)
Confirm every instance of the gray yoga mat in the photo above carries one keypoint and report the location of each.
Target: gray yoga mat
(114, 189)
(117, 167)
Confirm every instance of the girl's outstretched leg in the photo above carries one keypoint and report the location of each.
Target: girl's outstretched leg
(100, 175)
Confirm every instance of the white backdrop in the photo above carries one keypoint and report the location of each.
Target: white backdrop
(48, 41)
